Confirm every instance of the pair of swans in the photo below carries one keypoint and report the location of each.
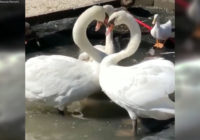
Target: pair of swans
(59, 80)
(143, 89)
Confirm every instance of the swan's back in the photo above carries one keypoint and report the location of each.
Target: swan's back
(57, 77)
(144, 86)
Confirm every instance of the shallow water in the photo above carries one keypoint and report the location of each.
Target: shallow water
(102, 119)
(107, 123)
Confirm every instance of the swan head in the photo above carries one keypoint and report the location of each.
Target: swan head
(109, 9)
(155, 18)
(95, 12)
(98, 13)
(118, 18)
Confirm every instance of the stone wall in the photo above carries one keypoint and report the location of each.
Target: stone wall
(167, 4)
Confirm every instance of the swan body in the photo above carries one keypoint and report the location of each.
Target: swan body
(59, 80)
(161, 31)
(141, 89)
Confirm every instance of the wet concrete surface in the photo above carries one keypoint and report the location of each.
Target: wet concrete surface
(102, 119)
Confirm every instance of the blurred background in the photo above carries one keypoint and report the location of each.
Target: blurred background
(187, 69)
(12, 60)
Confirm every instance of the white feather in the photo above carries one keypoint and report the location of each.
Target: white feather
(59, 80)
(162, 31)
(141, 89)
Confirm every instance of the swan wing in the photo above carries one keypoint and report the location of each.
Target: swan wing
(145, 85)
(167, 25)
(153, 82)
(166, 29)
(57, 76)
(162, 32)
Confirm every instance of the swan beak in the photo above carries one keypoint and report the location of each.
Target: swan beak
(98, 26)
(109, 29)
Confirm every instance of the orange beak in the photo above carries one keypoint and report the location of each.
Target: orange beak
(98, 26)
(109, 29)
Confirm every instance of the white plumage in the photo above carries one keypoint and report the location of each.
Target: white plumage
(59, 80)
(109, 45)
(141, 89)
(161, 31)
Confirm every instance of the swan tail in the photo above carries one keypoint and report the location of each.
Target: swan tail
(162, 113)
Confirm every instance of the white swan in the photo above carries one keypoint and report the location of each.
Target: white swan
(141, 89)
(161, 31)
(59, 80)
(193, 13)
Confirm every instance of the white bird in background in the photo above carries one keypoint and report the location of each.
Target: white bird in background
(161, 32)
(141, 89)
(194, 14)
(59, 80)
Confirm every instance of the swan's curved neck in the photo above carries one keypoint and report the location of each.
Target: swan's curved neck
(80, 37)
(109, 45)
(135, 39)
